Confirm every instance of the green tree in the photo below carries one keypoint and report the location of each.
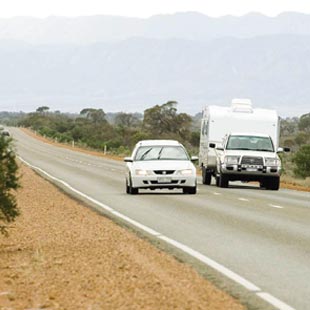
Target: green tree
(126, 120)
(161, 120)
(42, 109)
(8, 182)
(97, 116)
(302, 161)
(304, 123)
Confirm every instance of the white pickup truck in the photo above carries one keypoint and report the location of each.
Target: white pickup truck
(240, 143)
(248, 157)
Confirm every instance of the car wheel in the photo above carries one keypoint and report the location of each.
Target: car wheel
(127, 188)
(190, 190)
(133, 190)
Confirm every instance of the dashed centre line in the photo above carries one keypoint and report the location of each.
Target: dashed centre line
(275, 206)
(243, 199)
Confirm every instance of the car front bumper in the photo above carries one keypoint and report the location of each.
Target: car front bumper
(163, 182)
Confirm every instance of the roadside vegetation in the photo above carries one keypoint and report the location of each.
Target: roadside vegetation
(295, 134)
(8, 183)
(117, 133)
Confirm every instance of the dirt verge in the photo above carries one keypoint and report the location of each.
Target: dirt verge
(61, 255)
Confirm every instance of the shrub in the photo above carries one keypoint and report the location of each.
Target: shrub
(302, 161)
(8, 182)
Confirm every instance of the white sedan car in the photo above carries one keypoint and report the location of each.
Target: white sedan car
(157, 164)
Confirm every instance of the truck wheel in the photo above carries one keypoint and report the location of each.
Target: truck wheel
(206, 176)
(263, 183)
(273, 183)
(223, 181)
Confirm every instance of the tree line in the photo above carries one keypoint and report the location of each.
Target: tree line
(119, 132)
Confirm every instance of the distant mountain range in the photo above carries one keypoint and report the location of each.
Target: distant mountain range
(128, 64)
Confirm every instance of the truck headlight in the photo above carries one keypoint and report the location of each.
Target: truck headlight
(270, 161)
(232, 160)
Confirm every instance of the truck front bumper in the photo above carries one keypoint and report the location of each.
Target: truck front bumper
(251, 170)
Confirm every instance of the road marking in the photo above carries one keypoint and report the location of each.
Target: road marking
(274, 301)
(216, 193)
(206, 260)
(243, 199)
(210, 262)
(275, 206)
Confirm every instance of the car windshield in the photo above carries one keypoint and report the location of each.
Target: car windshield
(161, 153)
(253, 143)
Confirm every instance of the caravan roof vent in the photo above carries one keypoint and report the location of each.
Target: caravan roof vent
(241, 105)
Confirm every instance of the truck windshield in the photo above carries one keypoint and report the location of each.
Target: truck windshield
(253, 143)
(161, 153)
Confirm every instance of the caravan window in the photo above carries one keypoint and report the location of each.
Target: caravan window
(205, 128)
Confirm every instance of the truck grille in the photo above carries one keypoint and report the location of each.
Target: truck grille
(249, 160)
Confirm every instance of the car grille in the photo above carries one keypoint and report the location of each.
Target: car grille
(164, 172)
(249, 160)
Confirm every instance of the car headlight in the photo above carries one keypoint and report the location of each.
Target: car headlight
(141, 172)
(232, 160)
(269, 161)
(186, 172)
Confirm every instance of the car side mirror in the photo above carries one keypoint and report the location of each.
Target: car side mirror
(194, 158)
(128, 160)
(212, 145)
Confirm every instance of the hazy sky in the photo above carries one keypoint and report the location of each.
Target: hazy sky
(146, 8)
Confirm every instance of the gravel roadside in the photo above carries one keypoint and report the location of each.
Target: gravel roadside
(61, 255)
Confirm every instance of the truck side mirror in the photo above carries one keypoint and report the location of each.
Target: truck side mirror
(283, 149)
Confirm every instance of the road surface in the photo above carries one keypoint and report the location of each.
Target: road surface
(259, 239)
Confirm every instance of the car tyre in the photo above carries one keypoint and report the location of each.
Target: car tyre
(133, 190)
(190, 190)
(127, 188)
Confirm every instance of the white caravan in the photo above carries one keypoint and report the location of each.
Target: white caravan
(222, 155)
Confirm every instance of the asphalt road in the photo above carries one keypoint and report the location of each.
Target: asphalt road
(262, 236)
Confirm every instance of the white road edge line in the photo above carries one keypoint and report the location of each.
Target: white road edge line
(206, 260)
(274, 301)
